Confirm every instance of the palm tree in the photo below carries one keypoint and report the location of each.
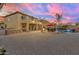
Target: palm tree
(58, 17)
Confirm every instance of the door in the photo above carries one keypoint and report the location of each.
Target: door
(24, 27)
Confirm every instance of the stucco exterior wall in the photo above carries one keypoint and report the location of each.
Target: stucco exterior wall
(12, 22)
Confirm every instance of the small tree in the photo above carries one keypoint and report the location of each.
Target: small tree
(2, 51)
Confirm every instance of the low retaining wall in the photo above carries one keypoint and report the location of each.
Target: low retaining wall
(2, 32)
(11, 31)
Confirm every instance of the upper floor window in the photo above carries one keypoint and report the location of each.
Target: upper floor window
(22, 17)
(25, 17)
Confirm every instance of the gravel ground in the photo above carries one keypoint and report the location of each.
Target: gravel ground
(38, 43)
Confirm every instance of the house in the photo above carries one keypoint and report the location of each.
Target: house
(20, 22)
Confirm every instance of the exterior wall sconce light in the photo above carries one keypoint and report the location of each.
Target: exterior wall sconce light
(40, 23)
(33, 21)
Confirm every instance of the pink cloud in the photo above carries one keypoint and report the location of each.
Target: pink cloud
(10, 7)
(31, 8)
(77, 9)
(53, 9)
(28, 6)
(68, 17)
(66, 21)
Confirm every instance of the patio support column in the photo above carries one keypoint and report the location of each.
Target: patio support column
(27, 26)
(36, 27)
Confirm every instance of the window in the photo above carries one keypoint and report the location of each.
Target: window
(22, 17)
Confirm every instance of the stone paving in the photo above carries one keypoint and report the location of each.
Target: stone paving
(38, 43)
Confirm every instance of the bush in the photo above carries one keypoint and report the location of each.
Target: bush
(2, 51)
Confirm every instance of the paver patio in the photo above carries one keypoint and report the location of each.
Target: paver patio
(38, 43)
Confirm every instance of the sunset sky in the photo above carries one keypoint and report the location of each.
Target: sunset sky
(69, 11)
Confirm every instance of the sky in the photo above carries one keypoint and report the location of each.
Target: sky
(69, 11)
